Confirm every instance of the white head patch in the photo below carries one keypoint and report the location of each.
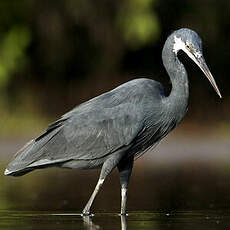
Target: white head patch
(180, 45)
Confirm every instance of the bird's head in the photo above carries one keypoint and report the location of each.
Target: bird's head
(190, 43)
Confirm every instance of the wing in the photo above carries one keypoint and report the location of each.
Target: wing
(95, 134)
(92, 130)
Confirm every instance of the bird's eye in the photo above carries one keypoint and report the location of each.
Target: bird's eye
(187, 46)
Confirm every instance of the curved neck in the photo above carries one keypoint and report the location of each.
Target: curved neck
(178, 97)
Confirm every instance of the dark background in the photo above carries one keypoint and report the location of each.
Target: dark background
(57, 54)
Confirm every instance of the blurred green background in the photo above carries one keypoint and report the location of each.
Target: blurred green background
(55, 54)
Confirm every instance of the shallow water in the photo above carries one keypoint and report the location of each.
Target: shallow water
(183, 184)
(141, 220)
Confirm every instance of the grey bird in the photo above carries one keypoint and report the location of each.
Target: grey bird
(113, 129)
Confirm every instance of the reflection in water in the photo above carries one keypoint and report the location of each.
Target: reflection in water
(204, 220)
(88, 222)
(123, 222)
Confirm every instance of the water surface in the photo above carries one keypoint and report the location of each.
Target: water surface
(143, 220)
(183, 184)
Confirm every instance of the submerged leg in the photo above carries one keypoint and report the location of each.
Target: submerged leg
(107, 167)
(125, 169)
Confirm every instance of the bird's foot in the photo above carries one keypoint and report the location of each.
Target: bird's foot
(87, 213)
(123, 214)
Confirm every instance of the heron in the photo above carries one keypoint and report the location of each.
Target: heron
(113, 129)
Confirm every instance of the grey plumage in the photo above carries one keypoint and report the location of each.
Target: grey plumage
(97, 128)
(112, 129)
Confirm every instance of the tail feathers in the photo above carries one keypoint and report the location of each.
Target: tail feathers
(24, 160)
(17, 173)
(35, 165)
(7, 172)
(25, 148)
(18, 164)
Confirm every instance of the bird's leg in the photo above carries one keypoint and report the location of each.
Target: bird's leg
(86, 210)
(123, 200)
(125, 169)
(107, 167)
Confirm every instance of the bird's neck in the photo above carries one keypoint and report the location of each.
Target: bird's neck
(177, 101)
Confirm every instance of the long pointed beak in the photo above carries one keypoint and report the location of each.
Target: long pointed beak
(203, 66)
(200, 61)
